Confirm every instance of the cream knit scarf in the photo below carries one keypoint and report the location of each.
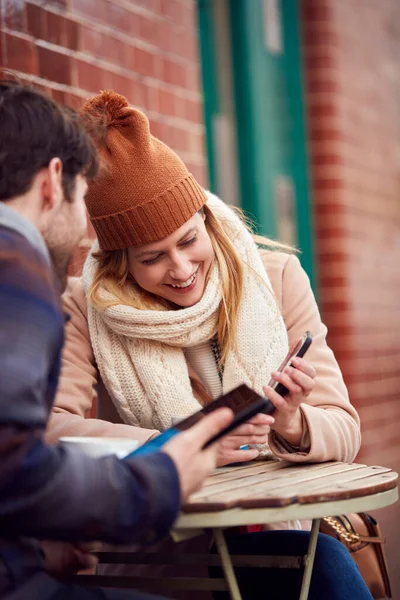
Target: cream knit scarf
(139, 353)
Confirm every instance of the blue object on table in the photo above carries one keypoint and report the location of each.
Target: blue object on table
(154, 445)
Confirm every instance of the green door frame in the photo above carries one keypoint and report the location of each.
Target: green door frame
(208, 56)
(250, 84)
(300, 163)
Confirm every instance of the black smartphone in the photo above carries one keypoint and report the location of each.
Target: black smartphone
(244, 402)
(298, 350)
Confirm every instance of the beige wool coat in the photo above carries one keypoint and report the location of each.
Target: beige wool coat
(332, 429)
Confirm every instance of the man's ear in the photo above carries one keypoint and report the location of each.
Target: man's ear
(52, 188)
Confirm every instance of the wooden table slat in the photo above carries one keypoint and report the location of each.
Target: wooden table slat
(277, 484)
(363, 487)
(297, 473)
(248, 466)
(239, 473)
(327, 488)
(322, 481)
(265, 486)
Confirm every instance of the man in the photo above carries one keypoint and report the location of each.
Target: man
(49, 492)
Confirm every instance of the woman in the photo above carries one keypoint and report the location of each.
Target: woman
(176, 306)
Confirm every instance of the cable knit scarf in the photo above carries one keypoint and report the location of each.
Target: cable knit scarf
(140, 355)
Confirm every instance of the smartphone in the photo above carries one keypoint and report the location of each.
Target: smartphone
(243, 401)
(298, 350)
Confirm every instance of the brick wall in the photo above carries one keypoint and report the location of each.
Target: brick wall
(352, 57)
(146, 50)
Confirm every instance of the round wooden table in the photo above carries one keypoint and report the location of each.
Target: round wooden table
(267, 492)
(258, 492)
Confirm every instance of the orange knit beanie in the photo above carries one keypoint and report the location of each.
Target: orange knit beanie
(144, 192)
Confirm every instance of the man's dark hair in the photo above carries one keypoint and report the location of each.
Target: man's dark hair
(33, 130)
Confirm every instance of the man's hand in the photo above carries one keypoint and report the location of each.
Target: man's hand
(193, 463)
(63, 557)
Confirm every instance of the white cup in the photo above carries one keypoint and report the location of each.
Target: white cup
(99, 446)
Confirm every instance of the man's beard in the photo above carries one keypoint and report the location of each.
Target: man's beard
(61, 260)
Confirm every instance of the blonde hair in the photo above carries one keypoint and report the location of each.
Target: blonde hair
(113, 274)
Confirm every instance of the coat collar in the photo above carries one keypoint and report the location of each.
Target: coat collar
(11, 219)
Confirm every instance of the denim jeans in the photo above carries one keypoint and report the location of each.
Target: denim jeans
(335, 574)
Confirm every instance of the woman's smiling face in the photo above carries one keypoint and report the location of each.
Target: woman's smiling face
(176, 267)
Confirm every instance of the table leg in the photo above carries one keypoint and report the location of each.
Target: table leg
(309, 560)
(227, 567)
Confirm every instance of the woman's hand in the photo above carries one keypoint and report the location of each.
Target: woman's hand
(254, 431)
(300, 382)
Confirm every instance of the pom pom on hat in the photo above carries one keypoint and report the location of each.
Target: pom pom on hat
(145, 193)
(108, 108)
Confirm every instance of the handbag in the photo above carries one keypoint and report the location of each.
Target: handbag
(361, 535)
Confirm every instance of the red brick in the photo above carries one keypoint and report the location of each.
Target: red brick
(52, 27)
(144, 62)
(200, 173)
(194, 111)
(71, 39)
(159, 130)
(167, 103)
(319, 130)
(55, 28)
(36, 21)
(329, 61)
(114, 51)
(73, 101)
(91, 77)
(139, 94)
(13, 14)
(316, 10)
(117, 17)
(191, 46)
(165, 37)
(179, 139)
(321, 37)
(190, 17)
(174, 73)
(193, 77)
(153, 6)
(152, 101)
(148, 29)
(90, 40)
(318, 83)
(178, 44)
(57, 3)
(59, 96)
(196, 143)
(324, 183)
(134, 26)
(55, 66)
(121, 85)
(94, 9)
(324, 159)
(18, 54)
(173, 10)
